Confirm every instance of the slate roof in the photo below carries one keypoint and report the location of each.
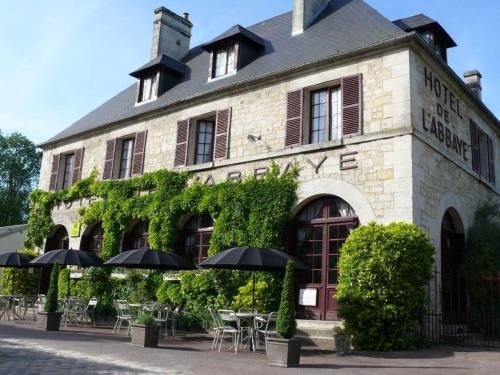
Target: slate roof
(5, 231)
(235, 31)
(160, 61)
(422, 21)
(343, 26)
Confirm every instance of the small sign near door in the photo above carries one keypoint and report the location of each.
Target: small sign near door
(75, 228)
(308, 297)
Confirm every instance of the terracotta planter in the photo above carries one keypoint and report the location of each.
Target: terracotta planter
(49, 321)
(146, 336)
(342, 344)
(283, 352)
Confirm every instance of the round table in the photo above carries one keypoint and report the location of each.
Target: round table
(250, 318)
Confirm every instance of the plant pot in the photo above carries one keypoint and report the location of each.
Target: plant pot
(49, 321)
(342, 344)
(283, 352)
(145, 336)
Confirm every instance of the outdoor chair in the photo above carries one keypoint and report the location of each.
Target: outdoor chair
(173, 318)
(265, 327)
(72, 310)
(123, 314)
(90, 311)
(5, 308)
(162, 312)
(217, 326)
(27, 303)
(40, 302)
(231, 325)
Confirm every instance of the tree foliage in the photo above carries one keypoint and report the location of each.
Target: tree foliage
(383, 271)
(286, 324)
(19, 168)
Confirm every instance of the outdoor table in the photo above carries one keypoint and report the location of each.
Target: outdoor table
(250, 318)
(136, 309)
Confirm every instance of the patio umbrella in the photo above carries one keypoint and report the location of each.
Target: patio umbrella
(147, 258)
(14, 260)
(252, 259)
(67, 257)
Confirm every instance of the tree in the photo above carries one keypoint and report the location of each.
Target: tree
(19, 168)
(286, 324)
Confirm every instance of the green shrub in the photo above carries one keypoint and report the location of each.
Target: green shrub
(286, 324)
(267, 293)
(51, 299)
(169, 292)
(146, 320)
(21, 280)
(383, 271)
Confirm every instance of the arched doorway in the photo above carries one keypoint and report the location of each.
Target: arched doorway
(57, 239)
(92, 239)
(319, 231)
(195, 238)
(136, 237)
(453, 295)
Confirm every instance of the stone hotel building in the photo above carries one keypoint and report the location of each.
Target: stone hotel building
(381, 126)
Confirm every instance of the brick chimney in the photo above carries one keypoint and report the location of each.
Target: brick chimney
(305, 12)
(473, 81)
(171, 34)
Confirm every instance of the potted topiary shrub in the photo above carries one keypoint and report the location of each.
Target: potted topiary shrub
(342, 340)
(50, 318)
(145, 331)
(284, 350)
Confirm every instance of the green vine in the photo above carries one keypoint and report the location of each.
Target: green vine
(251, 212)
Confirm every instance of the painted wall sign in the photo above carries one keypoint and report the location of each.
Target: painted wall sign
(448, 108)
(75, 228)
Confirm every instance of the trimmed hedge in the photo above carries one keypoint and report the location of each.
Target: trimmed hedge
(286, 324)
(383, 271)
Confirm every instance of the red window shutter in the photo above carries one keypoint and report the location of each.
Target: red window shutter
(54, 172)
(222, 126)
(139, 148)
(109, 160)
(77, 165)
(294, 118)
(491, 160)
(474, 141)
(352, 111)
(182, 143)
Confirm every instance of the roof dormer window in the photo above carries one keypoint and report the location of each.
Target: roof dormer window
(224, 61)
(146, 89)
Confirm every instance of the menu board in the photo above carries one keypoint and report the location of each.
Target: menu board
(307, 297)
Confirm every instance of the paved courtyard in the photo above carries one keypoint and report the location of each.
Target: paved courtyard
(26, 350)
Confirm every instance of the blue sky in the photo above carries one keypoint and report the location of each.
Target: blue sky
(59, 59)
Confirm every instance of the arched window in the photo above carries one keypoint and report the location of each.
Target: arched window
(92, 241)
(137, 237)
(59, 239)
(195, 238)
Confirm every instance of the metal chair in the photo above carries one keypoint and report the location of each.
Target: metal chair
(231, 325)
(265, 326)
(124, 314)
(5, 308)
(90, 311)
(217, 326)
(172, 318)
(29, 302)
(162, 312)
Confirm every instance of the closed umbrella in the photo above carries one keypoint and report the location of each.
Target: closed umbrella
(252, 259)
(147, 258)
(67, 257)
(14, 260)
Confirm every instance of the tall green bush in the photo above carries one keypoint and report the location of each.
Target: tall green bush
(383, 271)
(286, 324)
(51, 298)
(21, 280)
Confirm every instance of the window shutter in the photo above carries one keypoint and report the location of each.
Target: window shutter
(474, 141)
(54, 172)
(109, 160)
(139, 148)
(352, 111)
(211, 65)
(77, 165)
(182, 143)
(491, 160)
(294, 114)
(222, 125)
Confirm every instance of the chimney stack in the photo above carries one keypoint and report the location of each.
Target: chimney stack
(171, 34)
(473, 81)
(305, 12)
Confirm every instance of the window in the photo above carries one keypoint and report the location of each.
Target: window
(68, 171)
(92, 242)
(204, 141)
(137, 237)
(434, 43)
(146, 91)
(126, 158)
(326, 115)
(224, 61)
(483, 155)
(195, 238)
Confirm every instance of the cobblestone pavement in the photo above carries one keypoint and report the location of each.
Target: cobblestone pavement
(26, 350)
